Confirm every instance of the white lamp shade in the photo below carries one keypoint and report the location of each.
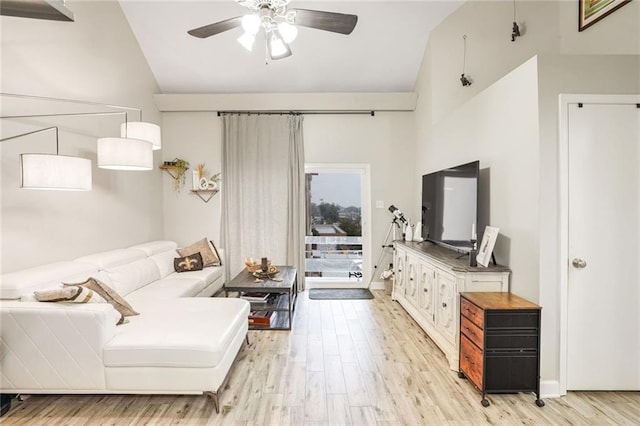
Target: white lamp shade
(149, 132)
(55, 172)
(125, 154)
(288, 32)
(251, 23)
(247, 40)
(278, 47)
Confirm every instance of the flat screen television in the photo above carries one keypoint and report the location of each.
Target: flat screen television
(450, 205)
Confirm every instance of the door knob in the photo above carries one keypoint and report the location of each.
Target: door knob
(578, 263)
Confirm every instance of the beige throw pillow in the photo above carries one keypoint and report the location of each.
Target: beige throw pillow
(209, 256)
(109, 295)
(69, 294)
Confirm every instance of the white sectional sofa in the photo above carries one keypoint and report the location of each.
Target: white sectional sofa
(178, 344)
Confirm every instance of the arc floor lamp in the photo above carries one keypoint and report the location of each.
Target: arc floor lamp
(133, 150)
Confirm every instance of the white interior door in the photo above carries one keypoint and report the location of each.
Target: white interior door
(603, 323)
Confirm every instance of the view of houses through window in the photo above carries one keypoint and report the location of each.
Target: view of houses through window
(333, 242)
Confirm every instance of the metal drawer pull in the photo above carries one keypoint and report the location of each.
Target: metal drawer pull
(444, 305)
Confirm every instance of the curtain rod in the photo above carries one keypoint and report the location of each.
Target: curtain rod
(372, 113)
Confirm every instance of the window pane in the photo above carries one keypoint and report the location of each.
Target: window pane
(334, 226)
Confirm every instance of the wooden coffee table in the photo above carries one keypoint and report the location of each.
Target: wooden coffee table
(282, 302)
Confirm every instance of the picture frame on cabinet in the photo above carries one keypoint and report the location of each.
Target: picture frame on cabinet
(591, 11)
(486, 247)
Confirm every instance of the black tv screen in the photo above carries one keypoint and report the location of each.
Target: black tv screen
(450, 205)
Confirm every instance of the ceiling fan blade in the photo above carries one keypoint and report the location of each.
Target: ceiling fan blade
(328, 21)
(216, 28)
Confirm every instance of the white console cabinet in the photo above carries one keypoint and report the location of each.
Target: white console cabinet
(428, 281)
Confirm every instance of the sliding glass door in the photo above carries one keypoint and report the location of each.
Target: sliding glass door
(337, 217)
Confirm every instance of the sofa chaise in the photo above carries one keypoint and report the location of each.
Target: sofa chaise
(181, 342)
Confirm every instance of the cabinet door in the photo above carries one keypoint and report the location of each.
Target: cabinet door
(445, 308)
(411, 277)
(399, 273)
(426, 293)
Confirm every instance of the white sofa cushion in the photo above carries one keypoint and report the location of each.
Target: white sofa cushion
(45, 277)
(167, 288)
(127, 278)
(184, 332)
(112, 258)
(164, 262)
(207, 275)
(155, 247)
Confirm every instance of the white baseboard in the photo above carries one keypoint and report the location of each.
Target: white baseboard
(377, 285)
(549, 389)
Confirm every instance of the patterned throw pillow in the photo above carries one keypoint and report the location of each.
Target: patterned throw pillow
(209, 256)
(110, 296)
(69, 294)
(193, 262)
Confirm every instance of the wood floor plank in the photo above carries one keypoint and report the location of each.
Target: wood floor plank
(345, 362)
(356, 389)
(334, 375)
(315, 400)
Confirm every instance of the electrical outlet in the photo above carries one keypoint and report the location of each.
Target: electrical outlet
(379, 204)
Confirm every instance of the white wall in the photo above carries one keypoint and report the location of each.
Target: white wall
(499, 127)
(197, 138)
(96, 58)
(384, 141)
(602, 59)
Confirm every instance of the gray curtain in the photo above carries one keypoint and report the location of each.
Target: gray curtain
(263, 207)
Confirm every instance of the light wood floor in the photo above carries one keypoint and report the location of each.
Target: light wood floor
(350, 362)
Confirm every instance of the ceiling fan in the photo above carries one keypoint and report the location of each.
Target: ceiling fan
(279, 24)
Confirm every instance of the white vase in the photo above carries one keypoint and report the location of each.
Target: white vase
(195, 180)
(417, 235)
(407, 233)
(212, 184)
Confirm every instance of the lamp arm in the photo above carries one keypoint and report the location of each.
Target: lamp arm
(67, 114)
(44, 98)
(32, 133)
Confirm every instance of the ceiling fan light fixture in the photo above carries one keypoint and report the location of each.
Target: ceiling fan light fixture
(289, 32)
(277, 47)
(251, 23)
(247, 40)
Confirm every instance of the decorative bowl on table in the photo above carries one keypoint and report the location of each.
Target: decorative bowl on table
(271, 271)
(256, 266)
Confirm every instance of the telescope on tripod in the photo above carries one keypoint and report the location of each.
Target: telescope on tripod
(398, 216)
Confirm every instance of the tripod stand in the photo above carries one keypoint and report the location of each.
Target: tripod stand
(385, 244)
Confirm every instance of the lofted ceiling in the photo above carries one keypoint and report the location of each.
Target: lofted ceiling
(383, 54)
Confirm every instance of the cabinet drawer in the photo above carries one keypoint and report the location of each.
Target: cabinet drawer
(471, 361)
(472, 331)
(471, 311)
(512, 319)
(525, 340)
(512, 373)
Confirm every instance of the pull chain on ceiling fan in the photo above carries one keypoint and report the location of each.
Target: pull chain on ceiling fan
(279, 24)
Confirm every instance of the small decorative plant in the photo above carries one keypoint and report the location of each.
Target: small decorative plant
(181, 167)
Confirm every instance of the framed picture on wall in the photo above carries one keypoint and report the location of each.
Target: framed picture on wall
(486, 247)
(591, 11)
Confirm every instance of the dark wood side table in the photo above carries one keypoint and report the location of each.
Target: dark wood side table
(500, 343)
(284, 294)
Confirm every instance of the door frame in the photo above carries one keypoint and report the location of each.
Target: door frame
(563, 171)
(365, 211)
